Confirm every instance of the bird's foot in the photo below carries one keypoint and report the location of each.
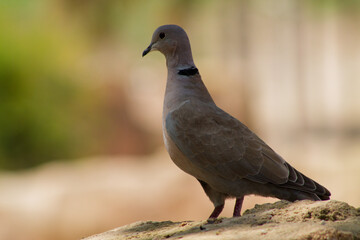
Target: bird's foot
(217, 211)
(214, 220)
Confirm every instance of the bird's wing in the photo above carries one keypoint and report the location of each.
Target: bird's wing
(221, 145)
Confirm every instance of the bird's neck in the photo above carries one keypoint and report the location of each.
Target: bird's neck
(180, 88)
(180, 56)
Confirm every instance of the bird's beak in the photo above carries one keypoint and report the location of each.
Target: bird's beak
(147, 50)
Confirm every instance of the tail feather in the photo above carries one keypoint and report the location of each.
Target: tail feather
(303, 183)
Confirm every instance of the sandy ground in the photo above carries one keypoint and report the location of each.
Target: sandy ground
(280, 220)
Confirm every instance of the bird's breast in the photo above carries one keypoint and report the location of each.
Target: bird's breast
(179, 158)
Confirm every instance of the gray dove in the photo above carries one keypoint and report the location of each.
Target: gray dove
(226, 157)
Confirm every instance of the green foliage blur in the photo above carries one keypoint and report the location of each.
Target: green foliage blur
(46, 113)
(38, 92)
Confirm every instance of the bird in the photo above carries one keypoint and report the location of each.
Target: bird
(223, 154)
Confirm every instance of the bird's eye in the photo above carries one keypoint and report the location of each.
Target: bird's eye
(162, 35)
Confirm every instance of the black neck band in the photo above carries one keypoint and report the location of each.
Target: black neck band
(188, 71)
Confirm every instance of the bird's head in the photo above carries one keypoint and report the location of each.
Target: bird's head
(170, 40)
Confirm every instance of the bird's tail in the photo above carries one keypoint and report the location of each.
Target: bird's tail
(310, 188)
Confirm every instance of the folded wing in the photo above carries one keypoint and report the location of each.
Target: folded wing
(221, 145)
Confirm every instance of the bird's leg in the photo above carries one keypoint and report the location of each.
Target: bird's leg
(217, 211)
(238, 205)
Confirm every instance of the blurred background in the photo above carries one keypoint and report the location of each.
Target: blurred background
(81, 147)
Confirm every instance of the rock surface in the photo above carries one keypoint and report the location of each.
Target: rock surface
(280, 220)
